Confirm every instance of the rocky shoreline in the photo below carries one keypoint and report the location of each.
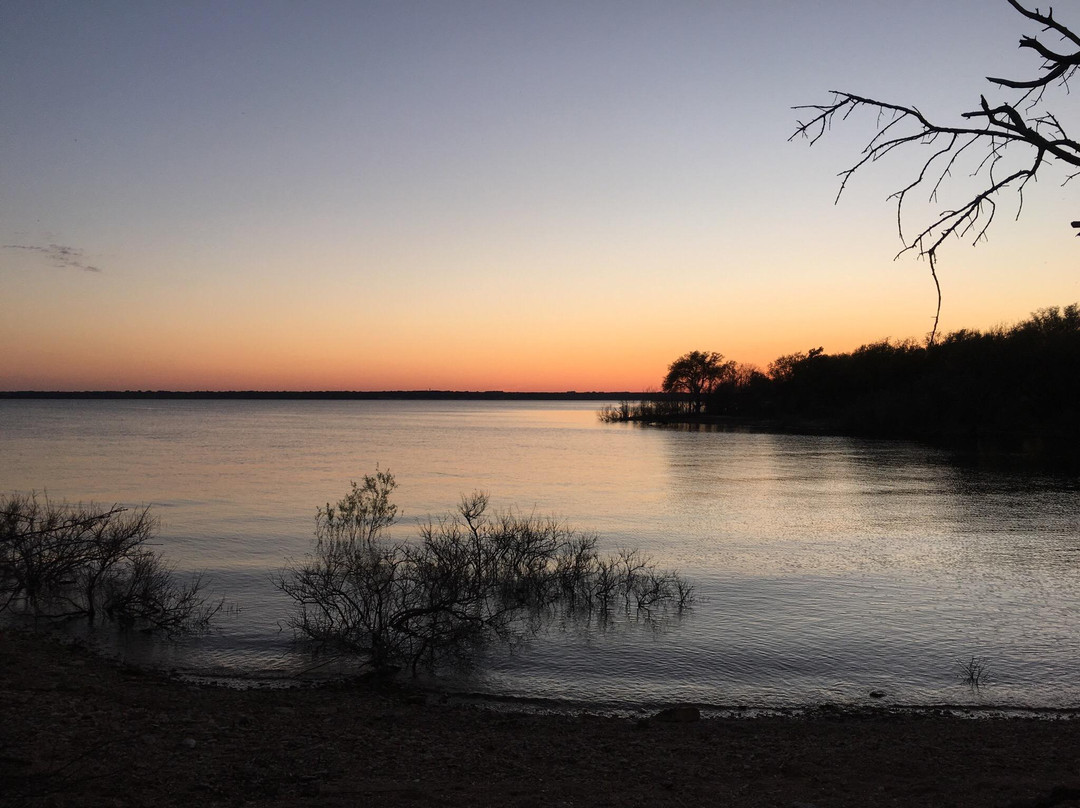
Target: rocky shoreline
(76, 730)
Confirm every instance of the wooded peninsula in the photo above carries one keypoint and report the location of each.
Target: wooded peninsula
(1009, 388)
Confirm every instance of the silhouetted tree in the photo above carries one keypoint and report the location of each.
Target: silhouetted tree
(697, 375)
(745, 374)
(1023, 127)
(784, 367)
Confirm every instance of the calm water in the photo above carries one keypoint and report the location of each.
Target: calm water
(826, 567)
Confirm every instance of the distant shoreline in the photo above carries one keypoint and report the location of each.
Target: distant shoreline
(330, 395)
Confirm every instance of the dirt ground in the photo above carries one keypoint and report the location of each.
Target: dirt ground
(76, 730)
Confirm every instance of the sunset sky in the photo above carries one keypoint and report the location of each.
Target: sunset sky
(481, 195)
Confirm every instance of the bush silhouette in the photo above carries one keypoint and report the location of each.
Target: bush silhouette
(61, 561)
(465, 580)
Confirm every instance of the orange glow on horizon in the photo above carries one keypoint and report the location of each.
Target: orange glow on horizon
(292, 364)
(283, 336)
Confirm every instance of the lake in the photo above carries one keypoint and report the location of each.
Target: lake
(826, 567)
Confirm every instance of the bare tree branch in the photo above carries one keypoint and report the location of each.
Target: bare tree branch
(1022, 131)
(1057, 64)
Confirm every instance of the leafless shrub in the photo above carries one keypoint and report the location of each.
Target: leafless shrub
(149, 594)
(684, 591)
(575, 566)
(60, 560)
(656, 409)
(466, 579)
(605, 582)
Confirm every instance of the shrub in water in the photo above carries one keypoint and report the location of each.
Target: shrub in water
(467, 578)
(59, 560)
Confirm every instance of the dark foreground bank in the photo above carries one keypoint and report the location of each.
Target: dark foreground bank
(75, 730)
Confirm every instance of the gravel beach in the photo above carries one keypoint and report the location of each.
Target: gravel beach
(77, 730)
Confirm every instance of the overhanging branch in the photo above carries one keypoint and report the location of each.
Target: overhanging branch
(1008, 129)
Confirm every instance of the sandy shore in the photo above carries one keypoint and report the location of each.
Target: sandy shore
(76, 730)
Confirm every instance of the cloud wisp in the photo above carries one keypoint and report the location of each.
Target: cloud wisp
(59, 255)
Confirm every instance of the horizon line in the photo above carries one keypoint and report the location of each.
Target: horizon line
(424, 393)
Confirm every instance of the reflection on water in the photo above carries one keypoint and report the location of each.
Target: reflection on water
(826, 567)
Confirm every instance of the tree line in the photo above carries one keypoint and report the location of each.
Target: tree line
(969, 387)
